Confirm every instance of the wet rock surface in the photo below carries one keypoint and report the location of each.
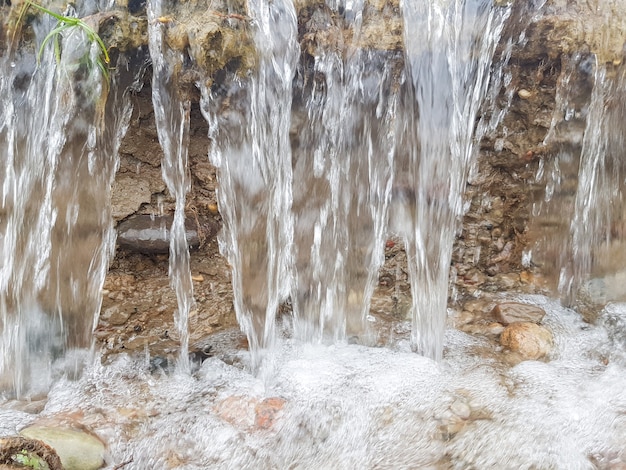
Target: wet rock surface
(511, 312)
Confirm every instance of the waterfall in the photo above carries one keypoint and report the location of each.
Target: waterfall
(249, 128)
(172, 121)
(59, 137)
(343, 167)
(581, 210)
(449, 47)
(321, 154)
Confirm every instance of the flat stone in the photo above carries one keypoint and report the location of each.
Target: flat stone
(76, 449)
(127, 195)
(529, 340)
(511, 312)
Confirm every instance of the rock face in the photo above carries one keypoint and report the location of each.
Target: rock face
(511, 312)
(77, 450)
(529, 340)
(495, 230)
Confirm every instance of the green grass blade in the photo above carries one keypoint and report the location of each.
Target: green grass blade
(65, 19)
(52, 34)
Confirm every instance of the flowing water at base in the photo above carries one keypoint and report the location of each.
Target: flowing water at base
(351, 406)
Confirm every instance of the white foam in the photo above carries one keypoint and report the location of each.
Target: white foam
(357, 407)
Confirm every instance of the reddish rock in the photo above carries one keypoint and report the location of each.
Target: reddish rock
(267, 411)
(237, 410)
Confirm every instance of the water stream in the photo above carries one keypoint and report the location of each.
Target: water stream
(449, 49)
(249, 126)
(585, 183)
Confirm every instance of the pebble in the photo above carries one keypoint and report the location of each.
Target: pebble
(461, 409)
(114, 316)
(511, 312)
(527, 339)
(150, 234)
(524, 94)
(76, 449)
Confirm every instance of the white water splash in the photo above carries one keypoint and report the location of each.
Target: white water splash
(354, 406)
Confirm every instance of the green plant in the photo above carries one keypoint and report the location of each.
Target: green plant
(64, 23)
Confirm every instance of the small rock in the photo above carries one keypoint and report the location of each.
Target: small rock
(238, 411)
(77, 450)
(114, 316)
(495, 328)
(148, 234)
(461, 409)
(529, 340)
(507, 281)
(267, 411)
(524, 94)
(127, 195)
(511, 312)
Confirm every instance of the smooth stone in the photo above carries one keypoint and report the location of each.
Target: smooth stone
(529, 340)
(151, 234)
(267, 412)
(77, 450)
(511, 312)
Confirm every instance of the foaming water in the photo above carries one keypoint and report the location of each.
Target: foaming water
(59, 137)
(172, 121)
(449, 47)
(348, 406)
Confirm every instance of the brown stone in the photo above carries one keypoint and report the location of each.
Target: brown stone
(511, 312)
(529, 340)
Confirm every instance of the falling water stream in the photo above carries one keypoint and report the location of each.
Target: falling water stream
(325, 152)
(449, 55)
(60, 138)
(172, 122)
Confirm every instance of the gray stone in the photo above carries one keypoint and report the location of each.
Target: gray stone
(114, 316)
(511, 312)
(77, 450)
(151, 234)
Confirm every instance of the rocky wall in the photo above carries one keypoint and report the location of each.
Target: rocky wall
(138, 305)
